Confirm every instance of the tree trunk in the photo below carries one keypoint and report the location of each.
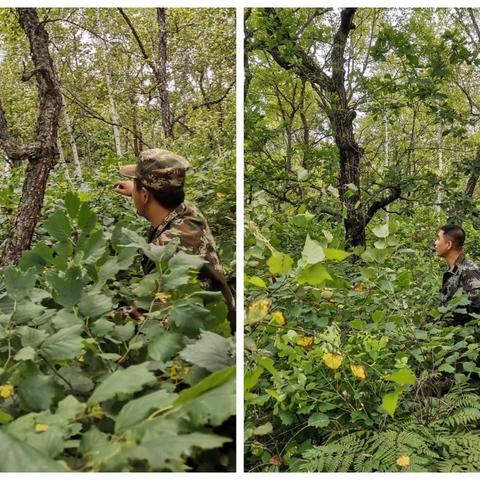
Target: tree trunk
(440, 167)
(473, 179)
(161, 73)
(41, 154)
(73, 143)
(61, 158)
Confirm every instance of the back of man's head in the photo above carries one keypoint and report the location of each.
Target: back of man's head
(455, 234)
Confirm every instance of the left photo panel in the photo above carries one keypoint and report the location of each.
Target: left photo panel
(117, 239)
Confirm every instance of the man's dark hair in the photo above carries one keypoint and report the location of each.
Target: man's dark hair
(455, 234)
(166, 198)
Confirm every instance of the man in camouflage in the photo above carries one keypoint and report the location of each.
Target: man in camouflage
(460, 273)
(157, 192)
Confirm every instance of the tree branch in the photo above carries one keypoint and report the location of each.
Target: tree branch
(395, 193)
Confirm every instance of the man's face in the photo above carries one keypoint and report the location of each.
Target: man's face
(442, 244)
(140, 198)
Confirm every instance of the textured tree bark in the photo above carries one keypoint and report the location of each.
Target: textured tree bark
(42, 153)
(473, 179)
(333, 96)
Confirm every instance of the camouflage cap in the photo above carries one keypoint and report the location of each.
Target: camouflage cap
(158, 169)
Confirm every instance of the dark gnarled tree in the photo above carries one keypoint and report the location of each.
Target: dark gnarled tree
(42, 152)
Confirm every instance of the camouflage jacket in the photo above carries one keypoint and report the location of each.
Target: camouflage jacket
(187, 223)
(463, 274)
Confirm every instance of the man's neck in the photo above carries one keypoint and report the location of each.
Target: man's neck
(158, 215)
(452, 256)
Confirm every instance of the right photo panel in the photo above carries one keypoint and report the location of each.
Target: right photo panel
(362, 239)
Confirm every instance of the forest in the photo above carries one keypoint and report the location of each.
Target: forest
(361, 141)
(85, 385)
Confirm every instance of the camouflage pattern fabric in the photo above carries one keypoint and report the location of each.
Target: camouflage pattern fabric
(158, 169)
(188, 224)
(465, 275)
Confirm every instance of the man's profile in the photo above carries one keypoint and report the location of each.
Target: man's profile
(157, 192)
(461, 273)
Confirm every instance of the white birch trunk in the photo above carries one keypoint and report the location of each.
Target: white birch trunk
(61, 158)
(440, 167)
(387, 152)
(73, 144)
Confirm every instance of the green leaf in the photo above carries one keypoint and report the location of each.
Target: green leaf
(68, 289)
(381, 231)
(58, 226)
(188, 317)
(212, 381)
(86, 218)
(26, 353)
(18, 456)
(31, 337)
(94, 306)
(251, 378)
(402, 377)
(312, 252)
(314, 275)
(133, 412)
(279, 263)
(5, 418)
(264, 429)
(130, 380)
(336, 254)
(19, 284)
(72, 203)
(390, 401)
(37, 391)
(318, 420)
(93, 248)
(211, 352)
(445, 367)
(164, 346)
(64, 345)
(257, 281)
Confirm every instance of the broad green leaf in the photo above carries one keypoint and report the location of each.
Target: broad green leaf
(211, 352)
(212, 381)
(26, 353)
(381, 231)
(86, 218)
(17, 456)
(94, 306)
(318, 420)
(336, 254)
(402, 377)
(164, 346)
(257, 281)
(19, 284)
(312, 252)
(251, 378)
(188, 317)
(72, 203)
(129, 380)
(68, 290)
(390, 401)
(264, 429)
(314, 275)
(37, 391)
(93, 248)
(168, 451)
(31, 337)
(133, 412)
(279, 263)
(58, 226)
(63, 345)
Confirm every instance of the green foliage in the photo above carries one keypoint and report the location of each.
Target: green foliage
(84, 385)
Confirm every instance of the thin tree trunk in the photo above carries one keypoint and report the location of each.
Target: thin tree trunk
(42, 153)
(440, 167)
(101, 44)
(73, 143)
(387, 152)
(161, 73)
(61, 159)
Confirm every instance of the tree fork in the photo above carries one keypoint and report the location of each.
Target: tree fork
(42, 152)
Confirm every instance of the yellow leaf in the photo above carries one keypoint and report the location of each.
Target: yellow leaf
(162, 297)
(41, 427)
(403, 461)
(96, 411)
(278, 317)
(358, 371)
(6, 390)
(357, 205)
(258, 310)
(178, 371)
(332, 360)
(305, 341)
